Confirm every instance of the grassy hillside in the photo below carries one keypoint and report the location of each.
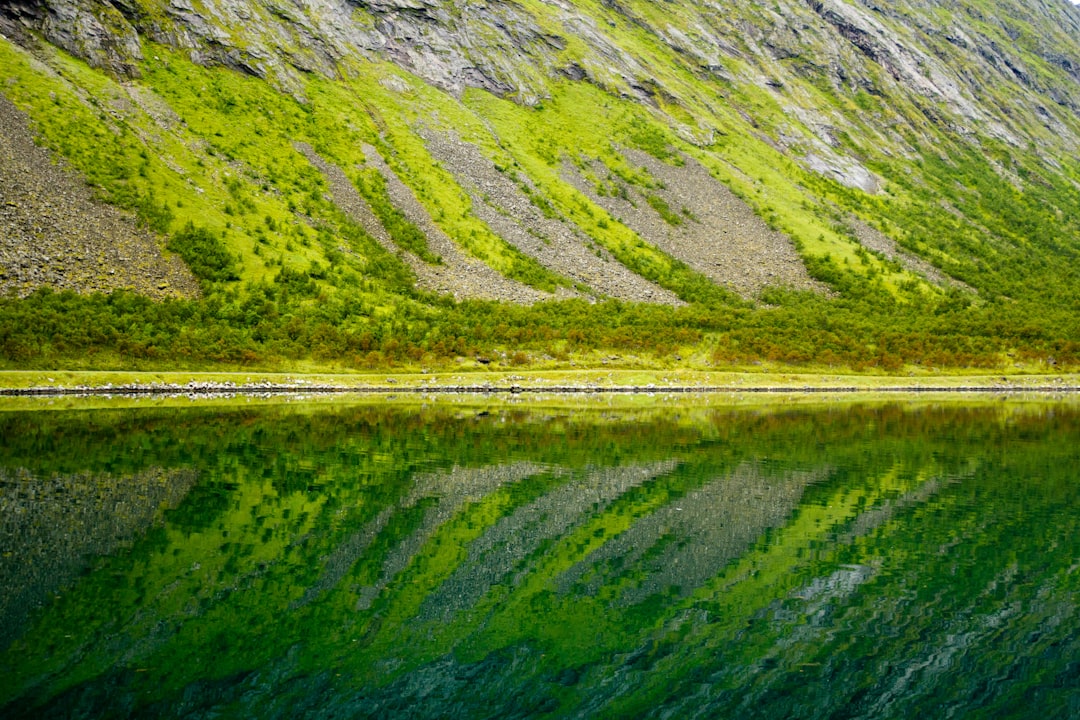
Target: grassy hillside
(370, 217)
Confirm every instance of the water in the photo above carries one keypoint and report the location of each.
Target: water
(605, 559)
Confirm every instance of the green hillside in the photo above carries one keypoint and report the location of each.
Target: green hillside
(425, 185)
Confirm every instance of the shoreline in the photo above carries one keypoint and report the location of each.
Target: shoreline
(593, 381)
(220, 389)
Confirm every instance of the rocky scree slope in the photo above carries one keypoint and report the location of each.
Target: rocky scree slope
(796, 106)
(53, 232)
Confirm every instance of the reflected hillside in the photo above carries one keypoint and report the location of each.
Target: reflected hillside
(380, 561)
(51, 528)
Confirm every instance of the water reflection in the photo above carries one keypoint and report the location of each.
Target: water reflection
(380, 561)
(50, 528)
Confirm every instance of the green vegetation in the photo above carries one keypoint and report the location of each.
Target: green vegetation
(204, 253)
(372, 186)
(210, 159)
(660, 206)
(353, 550)
(277, 324)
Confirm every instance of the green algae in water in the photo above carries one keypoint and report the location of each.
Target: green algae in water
(376, 560)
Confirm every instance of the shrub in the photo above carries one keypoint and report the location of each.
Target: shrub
(205, 253)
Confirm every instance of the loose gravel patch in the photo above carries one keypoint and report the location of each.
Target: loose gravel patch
(718, 235)
(458, 275)
(500, 200)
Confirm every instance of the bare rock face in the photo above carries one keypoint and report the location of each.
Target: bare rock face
(450, 45)
(913, 68)
(843, 170)
(96, 32)
(516, 50)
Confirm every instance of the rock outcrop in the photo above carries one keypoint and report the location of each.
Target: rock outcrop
(516, 51)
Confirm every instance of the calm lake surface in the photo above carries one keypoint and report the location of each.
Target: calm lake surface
(819, 559)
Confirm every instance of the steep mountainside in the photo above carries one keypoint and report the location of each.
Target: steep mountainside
(775, 178)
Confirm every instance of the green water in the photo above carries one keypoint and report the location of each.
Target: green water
(394, 560)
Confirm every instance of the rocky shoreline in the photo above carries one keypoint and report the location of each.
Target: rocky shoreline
(206, 389)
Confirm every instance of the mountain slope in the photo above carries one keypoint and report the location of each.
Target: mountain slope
(765, 172)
